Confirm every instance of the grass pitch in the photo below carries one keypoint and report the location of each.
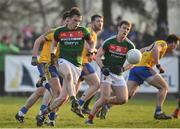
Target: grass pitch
(137, 113)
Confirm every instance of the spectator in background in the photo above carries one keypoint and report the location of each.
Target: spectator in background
(29, 35)
(6, 47)
(118, 20)
(19, 42)
(108, 32)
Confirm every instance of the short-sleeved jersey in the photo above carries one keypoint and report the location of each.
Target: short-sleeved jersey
(147, 56)
(71, 43)
(46, 50)
(94, 38)
(115, 52)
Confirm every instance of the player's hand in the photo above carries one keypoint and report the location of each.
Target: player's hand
(105, 71)
(161, 70)
(119, 69)
(91, 56)
(53, 58)
(34, 61)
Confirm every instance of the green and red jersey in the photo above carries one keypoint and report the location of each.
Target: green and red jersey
(115, 52)
(71, 43)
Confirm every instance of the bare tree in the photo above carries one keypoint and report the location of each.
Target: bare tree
(162, 21)
(106, 7)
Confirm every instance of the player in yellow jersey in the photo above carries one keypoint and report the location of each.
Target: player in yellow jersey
(42, 65)
(88, 73)
(143, 71)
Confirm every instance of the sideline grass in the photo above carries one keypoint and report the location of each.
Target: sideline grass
(136, 114)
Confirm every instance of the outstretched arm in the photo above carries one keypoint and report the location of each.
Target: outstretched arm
(40, 40)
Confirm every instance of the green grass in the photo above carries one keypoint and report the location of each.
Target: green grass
(136, 114)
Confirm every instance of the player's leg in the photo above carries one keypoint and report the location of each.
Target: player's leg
(176, 113)
(120, 90)
(54, 93)
(158, 82)
(92, 80)
(65, 69)
(105, 89)
(85, 108)
(29, 103)
(35, 96)
(134, 81)
(133, 87)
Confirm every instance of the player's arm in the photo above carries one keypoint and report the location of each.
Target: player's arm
(156, 53)
(128, 66)
(99, 55)
(53, 50)
(91, 44)
(54, 45)
(40, 40)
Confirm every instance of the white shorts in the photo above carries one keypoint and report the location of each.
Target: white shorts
(76, 71)
(113, 80)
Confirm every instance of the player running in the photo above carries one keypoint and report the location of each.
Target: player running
(88, 73)
(114, 51)
(71, 39)
(143, 71)
(42, 65)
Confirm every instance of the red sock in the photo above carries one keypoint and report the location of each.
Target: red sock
(91, 117)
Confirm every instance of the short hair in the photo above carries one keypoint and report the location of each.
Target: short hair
(65, 15)
(93, 17)
(74, 11)
(172, 38)
(124, 22)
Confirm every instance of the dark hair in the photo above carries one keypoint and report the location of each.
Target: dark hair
(124, 22)
(93, 17)
(65, 15)
(172, 38)
(74, 11)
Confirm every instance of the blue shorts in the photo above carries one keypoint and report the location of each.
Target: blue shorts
(140, 73)
(87, 69)
(42, 69)
(54, 73)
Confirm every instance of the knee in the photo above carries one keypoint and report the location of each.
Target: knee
(122, 101)
(68, 77)
(105, 99)
(63, 99)
(39, 92)
(165, 88)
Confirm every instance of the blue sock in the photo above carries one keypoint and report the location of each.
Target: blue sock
(47, 86)
(81, 102)
(24, 110)
(52, 116)
(43, 107)
(158, 109)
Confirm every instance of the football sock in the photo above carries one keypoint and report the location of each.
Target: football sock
(91, 117)
(52, 116)
(22, 111)
(158, 110)
(81, 102)
(86, 104)
(42, 108)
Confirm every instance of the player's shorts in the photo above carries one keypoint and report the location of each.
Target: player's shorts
(140, 73)
(42, 68)
(76, 71)
(54, 73)
(87, 69)
(113, 80)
